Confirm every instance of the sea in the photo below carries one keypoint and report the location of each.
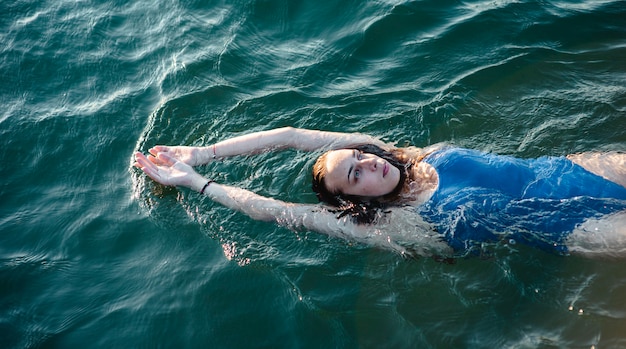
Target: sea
(93, 254)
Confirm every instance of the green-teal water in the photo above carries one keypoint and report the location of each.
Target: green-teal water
(94, 255)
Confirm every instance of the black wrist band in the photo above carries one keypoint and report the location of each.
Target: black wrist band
(205, 186)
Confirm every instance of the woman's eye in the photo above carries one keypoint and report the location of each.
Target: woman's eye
(359, 156)
(357, 174)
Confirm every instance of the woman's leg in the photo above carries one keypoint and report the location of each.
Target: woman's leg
(611, 166)
(603, 237)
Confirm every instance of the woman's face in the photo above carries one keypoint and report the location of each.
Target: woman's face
(351, 172)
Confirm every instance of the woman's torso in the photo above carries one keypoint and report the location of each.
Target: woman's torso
(486, 197)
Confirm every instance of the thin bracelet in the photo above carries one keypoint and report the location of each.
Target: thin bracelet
(205, 186)
(214, 153)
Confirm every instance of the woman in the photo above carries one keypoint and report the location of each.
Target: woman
(435, 200)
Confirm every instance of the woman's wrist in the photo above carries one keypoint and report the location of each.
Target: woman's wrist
(205, 186)
(198, 183)
(207, 154)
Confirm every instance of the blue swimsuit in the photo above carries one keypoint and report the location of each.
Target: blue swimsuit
(485, 197)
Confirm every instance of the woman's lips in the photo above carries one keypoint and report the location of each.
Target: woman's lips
(385, 169)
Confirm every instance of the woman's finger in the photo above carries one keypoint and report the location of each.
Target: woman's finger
(153, 160)
(147, 163)
(158, 149)
(158, 160)
(141, 160)
(152, 173)
(166, 159)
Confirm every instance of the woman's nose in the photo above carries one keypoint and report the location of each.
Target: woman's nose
(370, 163)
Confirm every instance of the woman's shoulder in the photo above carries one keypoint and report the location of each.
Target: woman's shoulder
(418, 154)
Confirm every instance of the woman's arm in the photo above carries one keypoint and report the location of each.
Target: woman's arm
(168, 171)
(276, 139)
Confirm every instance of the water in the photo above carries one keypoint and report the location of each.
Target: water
(94, 255)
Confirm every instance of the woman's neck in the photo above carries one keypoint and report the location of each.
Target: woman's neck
(422, 183)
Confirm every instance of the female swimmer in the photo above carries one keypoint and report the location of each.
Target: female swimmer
(431, 201)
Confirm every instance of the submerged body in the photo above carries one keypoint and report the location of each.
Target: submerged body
(442, 200)
(485, 197)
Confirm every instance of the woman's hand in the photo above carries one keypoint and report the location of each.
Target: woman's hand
(189, 155)
(167, 170)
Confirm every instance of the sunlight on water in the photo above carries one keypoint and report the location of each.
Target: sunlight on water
(232, 254)
(582, 5)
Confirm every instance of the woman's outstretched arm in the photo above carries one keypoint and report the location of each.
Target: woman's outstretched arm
(257, 142)
(168, 171)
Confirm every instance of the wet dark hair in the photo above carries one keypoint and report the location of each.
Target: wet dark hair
(361, 211)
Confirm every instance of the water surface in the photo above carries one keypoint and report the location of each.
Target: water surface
(94, 254)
